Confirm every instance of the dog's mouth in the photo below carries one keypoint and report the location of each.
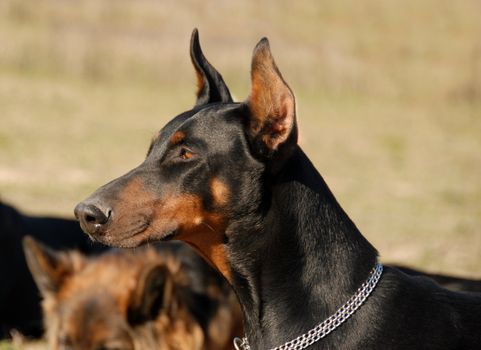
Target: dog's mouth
(135, 240)
(133, 235)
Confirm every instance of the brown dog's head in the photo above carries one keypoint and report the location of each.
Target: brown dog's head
(206, 170)
(118, 301)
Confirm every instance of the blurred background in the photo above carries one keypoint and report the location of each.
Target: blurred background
(388, 97)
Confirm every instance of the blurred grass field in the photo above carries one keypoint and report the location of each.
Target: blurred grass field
(388, 95)
(23, 345)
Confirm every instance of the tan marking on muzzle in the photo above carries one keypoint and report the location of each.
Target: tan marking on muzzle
(185, 213)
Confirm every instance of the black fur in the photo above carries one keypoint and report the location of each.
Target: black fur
(294, 255)
(214, 88)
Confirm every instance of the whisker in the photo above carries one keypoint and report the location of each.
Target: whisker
(208, 226)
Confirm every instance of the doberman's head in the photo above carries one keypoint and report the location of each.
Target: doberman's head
(206, 169)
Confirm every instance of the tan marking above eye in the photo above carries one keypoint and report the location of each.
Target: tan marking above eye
(178, 137)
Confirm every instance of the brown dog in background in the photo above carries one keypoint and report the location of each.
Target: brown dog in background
(19, 296)
(164, 298)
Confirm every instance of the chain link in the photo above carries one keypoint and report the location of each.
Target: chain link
(331, 323)
(241, 344)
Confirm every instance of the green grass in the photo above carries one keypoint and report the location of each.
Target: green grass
(389, 98)
(22, 345)
(388, 94)
(6, 346)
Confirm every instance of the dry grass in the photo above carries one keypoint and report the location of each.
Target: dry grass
(21, 344)
(389, 103)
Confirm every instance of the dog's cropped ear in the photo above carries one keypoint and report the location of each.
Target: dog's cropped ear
(48, 267)
(154, 293)
(272, 121)
(210, 85)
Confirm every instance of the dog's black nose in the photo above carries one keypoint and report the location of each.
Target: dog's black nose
(92, 218)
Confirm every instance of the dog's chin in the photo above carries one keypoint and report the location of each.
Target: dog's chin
(132, 240)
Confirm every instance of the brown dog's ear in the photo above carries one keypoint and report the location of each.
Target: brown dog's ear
(153, 293)
(48, 267)
(210, 85)
(272, 123)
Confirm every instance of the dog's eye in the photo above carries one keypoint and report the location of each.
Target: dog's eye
(185, 153)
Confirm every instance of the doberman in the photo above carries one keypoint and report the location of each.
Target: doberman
(230, 179)
(162, 298)
(19, 297)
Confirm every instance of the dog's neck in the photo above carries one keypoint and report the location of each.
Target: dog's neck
(303, 261)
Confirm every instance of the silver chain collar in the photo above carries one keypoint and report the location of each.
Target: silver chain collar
(331, 323)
